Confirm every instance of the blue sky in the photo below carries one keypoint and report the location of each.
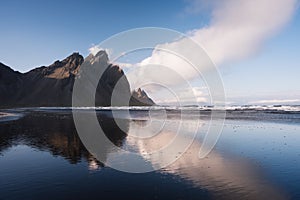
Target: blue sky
(35, 33)
(272, 73)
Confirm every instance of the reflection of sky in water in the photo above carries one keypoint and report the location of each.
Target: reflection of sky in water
(245, 159)
(271, 146)
(252, 159)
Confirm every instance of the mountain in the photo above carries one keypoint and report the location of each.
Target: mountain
(139, 97)
(53, 85)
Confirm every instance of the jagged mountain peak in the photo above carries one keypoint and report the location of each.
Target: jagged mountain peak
(62, 69)
(59, 69)
(53, 85)
(139, 96)
(100, 56)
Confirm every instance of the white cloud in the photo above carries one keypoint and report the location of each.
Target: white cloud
(125, 65)
(183, 96)
(238, 29)
(95, 49)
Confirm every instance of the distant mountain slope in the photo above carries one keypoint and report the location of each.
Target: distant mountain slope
(53, 85)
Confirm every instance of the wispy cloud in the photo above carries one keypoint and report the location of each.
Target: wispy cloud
(237, 30)
(183, 96)
(124, 65)
(240, 28)
(95, 49)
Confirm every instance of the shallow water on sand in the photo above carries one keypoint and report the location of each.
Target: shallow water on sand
(256, 157)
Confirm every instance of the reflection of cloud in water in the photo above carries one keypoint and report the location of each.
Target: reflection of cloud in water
(224, 175)
(228, 177)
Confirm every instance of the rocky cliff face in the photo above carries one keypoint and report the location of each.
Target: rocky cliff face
(53, 85)
(140, 98)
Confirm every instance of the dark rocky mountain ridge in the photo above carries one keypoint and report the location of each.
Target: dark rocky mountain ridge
(53, 85)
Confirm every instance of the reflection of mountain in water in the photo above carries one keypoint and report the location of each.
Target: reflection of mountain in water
(223, 175)
(55, 133)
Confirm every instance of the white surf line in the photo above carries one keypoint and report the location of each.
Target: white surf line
(5, 116)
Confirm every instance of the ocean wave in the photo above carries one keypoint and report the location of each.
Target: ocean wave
(7, 116)
(271, 108)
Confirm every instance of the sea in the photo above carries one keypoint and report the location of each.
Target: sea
(158, 152)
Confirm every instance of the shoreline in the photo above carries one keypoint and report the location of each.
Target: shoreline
(258, 114)
(6, 116)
